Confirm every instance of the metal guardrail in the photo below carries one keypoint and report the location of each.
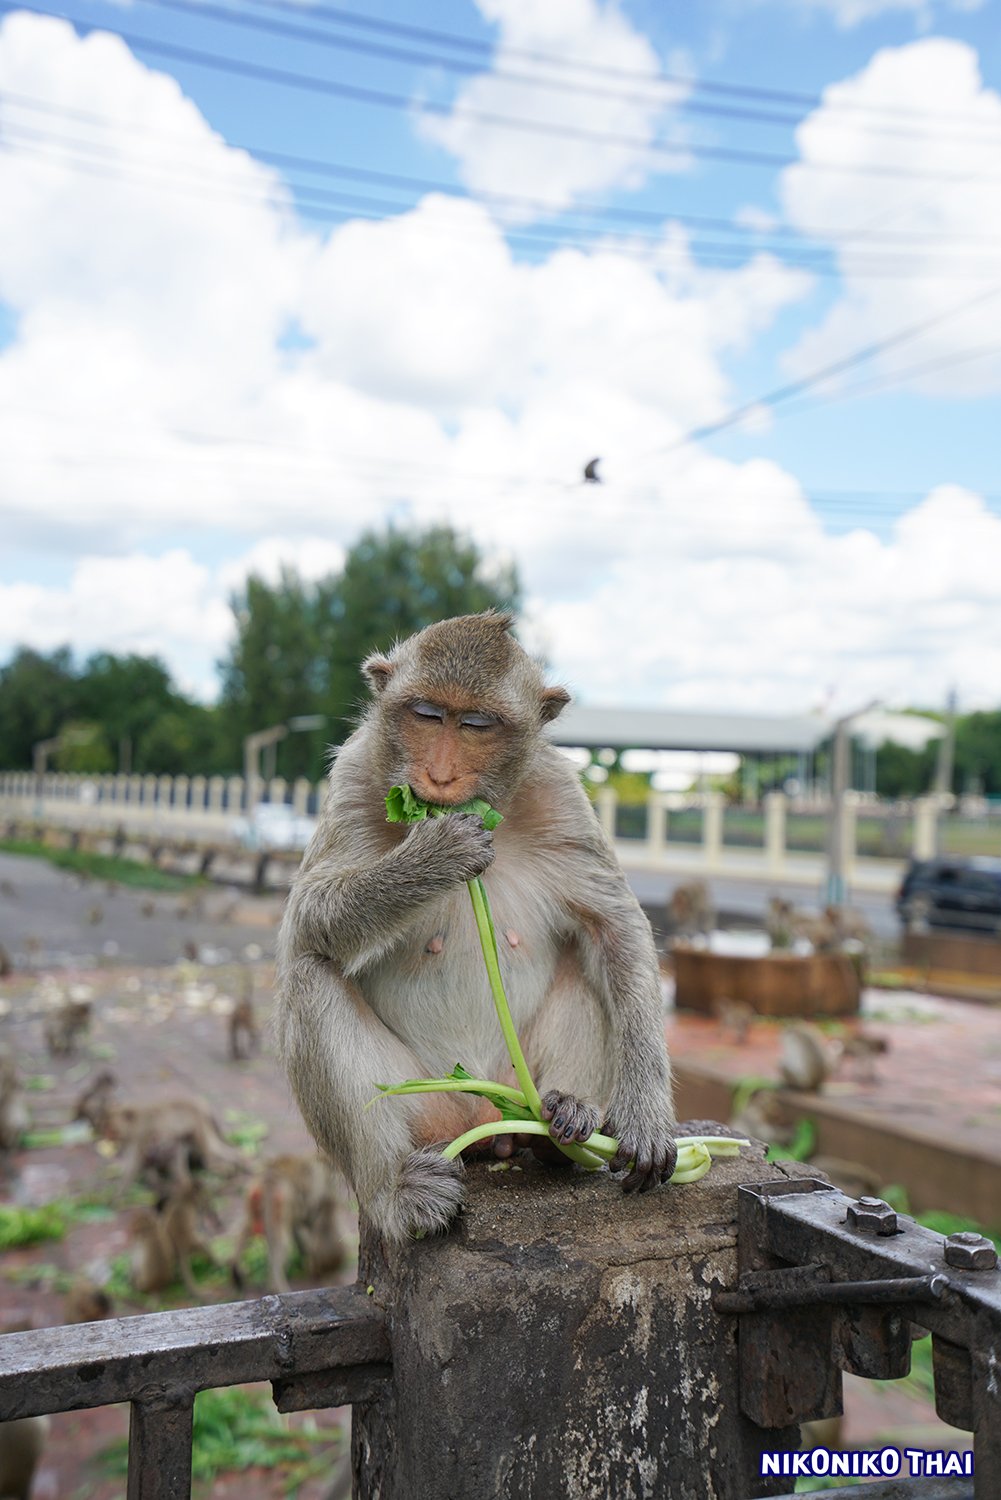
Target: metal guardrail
(826, 1284)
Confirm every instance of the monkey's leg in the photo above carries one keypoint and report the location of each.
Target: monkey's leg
(336, 1050)
(567, 1050)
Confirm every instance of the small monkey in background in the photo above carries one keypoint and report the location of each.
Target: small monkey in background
(14, 1117)
(164, 1240)
(66, 1026)
(244, 1037)
(295, 1202)
(806, 1060)
(380, 976)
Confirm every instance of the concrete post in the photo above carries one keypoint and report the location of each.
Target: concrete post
(560, 1340)
(300, 795)
(849, 833)
(712, 829)
(775, 831)
(925, 828)
(656, 823)
(606, 800)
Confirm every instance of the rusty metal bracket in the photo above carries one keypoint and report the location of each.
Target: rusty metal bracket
(828, 1283)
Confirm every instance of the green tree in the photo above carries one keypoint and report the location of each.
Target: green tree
(978, 752)
(38, 693)
(83, 747)
(126, 695)
(393, 583)
(299, 646)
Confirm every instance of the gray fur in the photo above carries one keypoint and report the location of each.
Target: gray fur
(380, 976)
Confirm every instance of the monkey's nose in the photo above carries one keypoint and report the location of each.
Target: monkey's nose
(441, 782)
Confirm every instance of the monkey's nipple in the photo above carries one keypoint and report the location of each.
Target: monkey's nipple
(512, 937)
(436, 944)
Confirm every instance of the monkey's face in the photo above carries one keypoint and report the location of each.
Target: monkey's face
(454, 749)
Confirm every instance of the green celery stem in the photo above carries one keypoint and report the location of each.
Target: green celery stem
(484, 925)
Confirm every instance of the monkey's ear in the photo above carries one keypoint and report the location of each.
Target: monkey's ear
(378, 670)
(554, 700)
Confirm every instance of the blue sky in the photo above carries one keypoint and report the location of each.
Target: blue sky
(189, 366)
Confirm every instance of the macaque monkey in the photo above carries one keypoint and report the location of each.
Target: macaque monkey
(862, 1050)
(380, 975)
(690, 911)
(21, 1444)
(244, 1037)
(147, 908)
(161, 1142)
(14, 1117)
(6, 963)
(66, 1026)
(164, 1240)
(806, 1060)
(779, 919)
(735, 1016)
(86, 1302)
(95, 916)
(296, 1201)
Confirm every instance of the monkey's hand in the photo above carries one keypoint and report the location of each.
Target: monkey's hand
(571, 1122)
(452, 850)
(648, 1146)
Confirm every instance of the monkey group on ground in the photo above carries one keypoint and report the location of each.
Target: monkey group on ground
(834, 930)
(374, 963)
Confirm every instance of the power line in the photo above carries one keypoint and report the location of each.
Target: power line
(847, 362)
(487, 51)
(469, 68)
(342, 207)
(310, 83)
(584, 209)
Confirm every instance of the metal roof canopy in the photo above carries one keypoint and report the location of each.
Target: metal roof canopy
(673, 729)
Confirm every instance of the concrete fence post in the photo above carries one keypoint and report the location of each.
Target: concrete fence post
(712, 829)
(560, 1341)
(606, 801)
(656, 823)
(775, 831)
(300, 795)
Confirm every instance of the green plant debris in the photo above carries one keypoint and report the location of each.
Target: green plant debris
(30, 1226)
(77, 1133)
(246, 1132)
(520, 1107)
(40, 1083)
(236, 1429)
(802, 1145)
(102, 866)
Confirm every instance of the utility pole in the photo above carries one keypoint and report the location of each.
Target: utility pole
(268, 739)
(942, 785)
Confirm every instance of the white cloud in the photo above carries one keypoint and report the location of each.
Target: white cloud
(158, 436)
(848, 13)
(558, 168)
(943, 233)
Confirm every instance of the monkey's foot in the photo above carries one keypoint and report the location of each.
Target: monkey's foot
(652, 1152)
(428, 1194)
(570, 1121)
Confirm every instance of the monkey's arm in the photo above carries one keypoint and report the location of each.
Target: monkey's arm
(620, 964)
(351, 906)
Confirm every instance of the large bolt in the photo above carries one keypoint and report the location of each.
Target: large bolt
(968, 1251)
(872, 1216)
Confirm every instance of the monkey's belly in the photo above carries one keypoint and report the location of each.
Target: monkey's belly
(433, 993)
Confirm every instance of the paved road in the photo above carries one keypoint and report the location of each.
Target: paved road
(747, 899)
(50, 919)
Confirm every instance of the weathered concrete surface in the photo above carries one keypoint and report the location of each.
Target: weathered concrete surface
(561, 1342)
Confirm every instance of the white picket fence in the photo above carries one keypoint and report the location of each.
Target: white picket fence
(216, 809)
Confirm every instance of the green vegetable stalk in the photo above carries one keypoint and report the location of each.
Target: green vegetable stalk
(521, 1108)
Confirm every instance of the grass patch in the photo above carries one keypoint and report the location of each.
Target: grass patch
(237, 1429)
(30, 1226)
(102, 866)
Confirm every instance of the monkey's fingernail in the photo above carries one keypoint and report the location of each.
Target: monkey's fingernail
(559, 1123)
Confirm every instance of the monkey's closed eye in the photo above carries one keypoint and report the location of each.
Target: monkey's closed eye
(478, 721)
(428, 711)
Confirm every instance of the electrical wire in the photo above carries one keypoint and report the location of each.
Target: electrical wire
(311, 83)
(584, 209)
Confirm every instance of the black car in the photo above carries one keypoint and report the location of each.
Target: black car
(952, 893)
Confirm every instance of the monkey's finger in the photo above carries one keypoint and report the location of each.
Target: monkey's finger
(550, 1103)
(637, 1180)
(503, 1146)
(625, 1155)
(670, 1161)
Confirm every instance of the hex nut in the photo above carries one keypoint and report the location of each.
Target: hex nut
(872, 1216)
(968, 1251)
